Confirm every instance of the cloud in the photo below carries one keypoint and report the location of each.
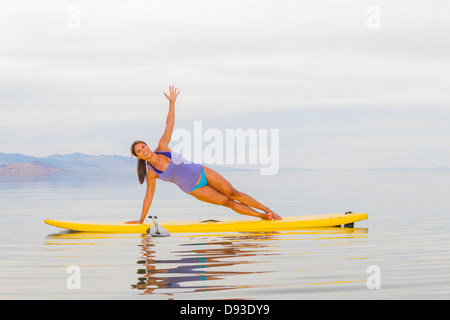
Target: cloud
(243, 63)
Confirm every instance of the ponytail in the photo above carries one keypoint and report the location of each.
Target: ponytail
(141, 170)
(141, 164)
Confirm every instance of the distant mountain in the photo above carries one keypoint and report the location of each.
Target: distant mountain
(15, 162)
(16, 158)
(35, 166)
(69, 162)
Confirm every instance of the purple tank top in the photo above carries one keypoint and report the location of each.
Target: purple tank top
(180, 171)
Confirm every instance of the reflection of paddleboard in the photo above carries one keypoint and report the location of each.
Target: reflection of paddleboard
(237, 225)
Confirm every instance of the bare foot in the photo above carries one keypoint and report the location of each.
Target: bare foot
(273, 216)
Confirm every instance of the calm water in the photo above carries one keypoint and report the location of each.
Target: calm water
(405, 240)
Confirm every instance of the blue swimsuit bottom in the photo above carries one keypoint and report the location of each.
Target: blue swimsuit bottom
(203, 182)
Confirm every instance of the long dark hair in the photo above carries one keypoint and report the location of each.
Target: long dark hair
(141, 164)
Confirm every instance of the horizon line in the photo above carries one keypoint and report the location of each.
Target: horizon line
(402, 168)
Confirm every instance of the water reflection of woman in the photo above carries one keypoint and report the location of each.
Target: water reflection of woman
(197, 265)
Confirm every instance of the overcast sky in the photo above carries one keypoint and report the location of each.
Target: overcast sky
(349, 84)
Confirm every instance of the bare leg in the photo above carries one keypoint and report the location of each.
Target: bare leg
(211, 195)
(220, 184)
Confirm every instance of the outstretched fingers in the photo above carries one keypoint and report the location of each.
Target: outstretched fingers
(173, 93)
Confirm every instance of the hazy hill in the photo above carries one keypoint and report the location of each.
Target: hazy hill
(75, 162)
(70, 162)
(35, 166)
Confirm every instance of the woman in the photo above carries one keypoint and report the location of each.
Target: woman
(195, 179)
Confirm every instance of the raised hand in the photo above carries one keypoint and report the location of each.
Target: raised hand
(173, 94)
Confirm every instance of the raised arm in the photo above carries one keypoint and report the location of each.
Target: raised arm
(170, 122)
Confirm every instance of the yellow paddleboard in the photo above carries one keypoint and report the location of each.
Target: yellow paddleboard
(236, 225)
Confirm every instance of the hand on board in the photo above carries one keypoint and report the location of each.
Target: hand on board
(134, 222)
